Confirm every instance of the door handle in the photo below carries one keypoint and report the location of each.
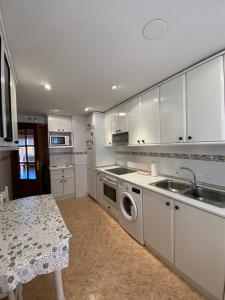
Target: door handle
(37, 165)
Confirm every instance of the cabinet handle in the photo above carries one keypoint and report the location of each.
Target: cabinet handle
(116, 130)
(119, 130)
(189, 137)
(167, 203)
(108, 207)
(7, 139)
(16, 142)
(62, 129)
(58, 129)
(138, 141)
(176, 207)
(143, 141)
(110, 143)
(180, 138)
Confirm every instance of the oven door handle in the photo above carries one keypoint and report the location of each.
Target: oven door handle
(106, 180)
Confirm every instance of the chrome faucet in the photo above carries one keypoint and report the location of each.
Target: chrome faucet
(194, 185)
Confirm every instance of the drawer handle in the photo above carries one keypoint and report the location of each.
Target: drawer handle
(167, 203)
(180, 138)
(176, 207)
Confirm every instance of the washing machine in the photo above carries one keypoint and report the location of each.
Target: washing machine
(130, 210)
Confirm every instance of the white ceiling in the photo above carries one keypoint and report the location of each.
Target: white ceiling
(83, 47)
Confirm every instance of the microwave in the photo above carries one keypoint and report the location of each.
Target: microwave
(59, 140)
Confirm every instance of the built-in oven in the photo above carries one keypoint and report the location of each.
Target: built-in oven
(110, 191)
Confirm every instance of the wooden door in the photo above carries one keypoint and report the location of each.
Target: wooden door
(30, 172)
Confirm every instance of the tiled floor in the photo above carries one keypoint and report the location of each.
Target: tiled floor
(106, 263)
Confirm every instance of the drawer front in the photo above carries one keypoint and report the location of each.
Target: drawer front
(69, 173)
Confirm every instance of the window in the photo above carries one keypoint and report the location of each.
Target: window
(27, 154)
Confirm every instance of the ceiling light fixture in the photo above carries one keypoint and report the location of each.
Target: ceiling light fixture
(154, 29)
(47, 86)
(114, 87)
(55, 109)
(86, 109)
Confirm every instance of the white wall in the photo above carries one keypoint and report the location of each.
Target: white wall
(5, 172)
(80, 155)
(32, 119)
(208, 162)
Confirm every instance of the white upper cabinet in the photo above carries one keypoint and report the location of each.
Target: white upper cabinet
(134, 121)
(205, 102)
(119, 119)
(108, 129)
(59, 124)
(150, 127)
(172, 111)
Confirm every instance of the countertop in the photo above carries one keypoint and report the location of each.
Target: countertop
(145, 181)
(64, 166)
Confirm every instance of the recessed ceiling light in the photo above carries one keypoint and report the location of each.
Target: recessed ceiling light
(114, 87)
(55, 109)
(154, 29)
(47, 86)
(86, 109)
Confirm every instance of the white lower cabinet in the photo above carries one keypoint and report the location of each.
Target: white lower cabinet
(57, 187)
(192, 239)
(91, 183)
(99, 189)
(199, 247)
(158, 223)
(68, 186)
(62, 182)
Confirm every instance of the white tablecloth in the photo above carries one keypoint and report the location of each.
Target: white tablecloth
(34, 240)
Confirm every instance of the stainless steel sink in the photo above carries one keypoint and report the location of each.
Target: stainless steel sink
(172, 185)
(209, 196)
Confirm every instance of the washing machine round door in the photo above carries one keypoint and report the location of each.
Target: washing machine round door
(128, 207)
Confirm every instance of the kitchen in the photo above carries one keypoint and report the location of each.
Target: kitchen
(123, 159)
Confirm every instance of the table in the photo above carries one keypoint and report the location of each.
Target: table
(34, 240)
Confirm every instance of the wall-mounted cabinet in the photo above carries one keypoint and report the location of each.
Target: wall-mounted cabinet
(59, 124)
(191, 109)
(205, 102)
(119, 119)
(173, 111)
(8, 108)
(143, 119)
(108, 128)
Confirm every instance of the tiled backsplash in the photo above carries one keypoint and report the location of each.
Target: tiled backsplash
(65, 156)
(208, 162)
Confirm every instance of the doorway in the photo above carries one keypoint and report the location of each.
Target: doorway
(30, 164)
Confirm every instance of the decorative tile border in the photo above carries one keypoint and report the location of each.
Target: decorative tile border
(53, 153)
(203, 157)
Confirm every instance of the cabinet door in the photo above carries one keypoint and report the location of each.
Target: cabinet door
(69, 186)
(65, 124)
(91, 182)
(205, 102)
(54, 124)
(199, 247)
(8, 102)
(115, 121)
(122, 118)
(99, 188)
(172, 111)
(134, 121)
(150, 117)
(108, 129)
(57, 187)
(158, 223)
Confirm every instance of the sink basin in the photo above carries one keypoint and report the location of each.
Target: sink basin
(209, 196)
(172, 185)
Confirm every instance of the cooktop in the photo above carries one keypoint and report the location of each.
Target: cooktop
(120, 171)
